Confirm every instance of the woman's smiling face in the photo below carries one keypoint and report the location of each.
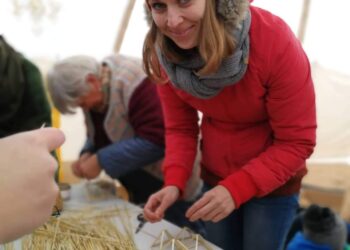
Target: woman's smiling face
(179, 20)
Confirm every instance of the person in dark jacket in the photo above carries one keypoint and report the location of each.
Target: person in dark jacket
(23, 101)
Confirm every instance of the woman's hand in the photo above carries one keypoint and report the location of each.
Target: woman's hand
(213, 206)
(90, 167)
(76, 168)
(159, 202)
(87, 166)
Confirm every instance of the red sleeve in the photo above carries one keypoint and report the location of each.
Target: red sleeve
(290, 103)
(181, 126)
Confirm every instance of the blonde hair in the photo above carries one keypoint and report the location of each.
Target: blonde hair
(213, 47)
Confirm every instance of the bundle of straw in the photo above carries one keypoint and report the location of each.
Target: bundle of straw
(84, 229)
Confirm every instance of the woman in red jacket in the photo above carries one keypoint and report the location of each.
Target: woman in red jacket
(245, 71)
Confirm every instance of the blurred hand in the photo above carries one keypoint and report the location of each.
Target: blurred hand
(159, 202)
(76, 166)
(213, 206)
(28, 189)
(88, 167)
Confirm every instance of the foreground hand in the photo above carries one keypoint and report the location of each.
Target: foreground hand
(159, 202)
(213, 206)
(28, 189)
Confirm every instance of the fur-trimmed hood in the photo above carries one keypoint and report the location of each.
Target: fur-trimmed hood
(232, 11)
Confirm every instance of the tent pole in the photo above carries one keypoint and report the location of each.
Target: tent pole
(303, 20)
(123, 26)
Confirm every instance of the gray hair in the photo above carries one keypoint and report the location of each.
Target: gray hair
(67, 81)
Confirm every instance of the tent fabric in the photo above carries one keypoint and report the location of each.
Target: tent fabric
(333, 114)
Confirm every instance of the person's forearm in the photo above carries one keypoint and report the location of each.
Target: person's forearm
(121, 158)
(88, 147)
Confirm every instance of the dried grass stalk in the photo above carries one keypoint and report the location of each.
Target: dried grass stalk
(8, 246)
(85, 229)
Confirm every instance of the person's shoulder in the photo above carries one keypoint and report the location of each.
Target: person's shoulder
(266, 23)
(32, 73)
(30, 65)
(269, 36)
(268, 31)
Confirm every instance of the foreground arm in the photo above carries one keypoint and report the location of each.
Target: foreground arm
(27, 187)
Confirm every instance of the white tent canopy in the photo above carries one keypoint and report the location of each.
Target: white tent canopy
(333, 117)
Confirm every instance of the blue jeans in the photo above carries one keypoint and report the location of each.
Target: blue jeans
(121, 158)
(125, 161)
(261, 223)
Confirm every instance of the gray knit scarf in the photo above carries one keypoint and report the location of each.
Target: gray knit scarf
(232, 69)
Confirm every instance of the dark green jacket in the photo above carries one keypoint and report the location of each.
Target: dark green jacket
(23, 101)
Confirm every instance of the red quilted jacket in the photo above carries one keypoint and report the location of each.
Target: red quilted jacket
(256, 134)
